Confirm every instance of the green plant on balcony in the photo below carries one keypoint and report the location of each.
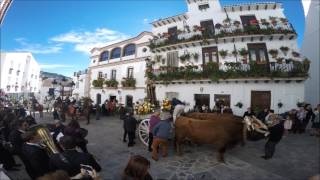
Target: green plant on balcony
(112, 83)
(185, 57)
(295, 54)
(289, 60)
(227, 20)
(273, 20)
(284, 50)
(234, 53)
(195, 56)
(218, 26)
(163, 61)
(128, 82)
(279, 60)
(284, 21)
(98, 83)
(236, 23)
(244, 54)
(273, 52)
(223, 53)
(158, 58)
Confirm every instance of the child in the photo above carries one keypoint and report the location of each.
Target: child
(287, 125)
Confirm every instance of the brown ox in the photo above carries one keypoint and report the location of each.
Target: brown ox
(221, 133)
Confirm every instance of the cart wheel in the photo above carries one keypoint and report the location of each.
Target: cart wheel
(143, 129)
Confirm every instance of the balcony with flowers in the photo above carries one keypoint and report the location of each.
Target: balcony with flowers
(128, 83)
(229, 28)
(231, 71)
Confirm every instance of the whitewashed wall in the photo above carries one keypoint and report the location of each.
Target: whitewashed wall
(287, 93)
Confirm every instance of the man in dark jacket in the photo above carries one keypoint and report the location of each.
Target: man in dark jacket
(70, 159)
(276, 131)
(36, 157)
(130, 124)
(15, 136)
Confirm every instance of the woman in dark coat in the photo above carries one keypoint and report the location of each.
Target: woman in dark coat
(74, 130)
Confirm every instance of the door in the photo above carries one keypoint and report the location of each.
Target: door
(210, 54)
(129, 101)
(173, 34)
(260, 100)
(98, 98)
(112, 98)
(223, 99)
(258, 53)
(202, 99)
(208, 28)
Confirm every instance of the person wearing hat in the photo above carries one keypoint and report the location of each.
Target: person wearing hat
(161, 134)
(276, 131)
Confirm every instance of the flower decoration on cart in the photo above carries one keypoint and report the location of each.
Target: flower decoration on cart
(144, 108)
(166, 105)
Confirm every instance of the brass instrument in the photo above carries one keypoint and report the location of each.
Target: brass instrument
(46, 138)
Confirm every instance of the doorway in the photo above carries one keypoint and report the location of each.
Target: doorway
(98, 98)
(129, 101)
(260, 100)
(202, 99)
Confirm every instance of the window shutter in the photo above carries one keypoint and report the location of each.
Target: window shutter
(172, 59)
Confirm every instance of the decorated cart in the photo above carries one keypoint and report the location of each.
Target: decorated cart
(142, 114)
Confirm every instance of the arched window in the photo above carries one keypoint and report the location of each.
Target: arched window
(104, 56)
(129, 50)
(115, 53)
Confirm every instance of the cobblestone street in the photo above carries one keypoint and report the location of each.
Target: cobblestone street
(296, 157)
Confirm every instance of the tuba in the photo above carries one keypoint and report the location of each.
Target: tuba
(46, 138)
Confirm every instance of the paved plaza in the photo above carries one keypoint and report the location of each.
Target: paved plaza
(296, 157)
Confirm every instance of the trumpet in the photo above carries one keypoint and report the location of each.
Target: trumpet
(46, 138)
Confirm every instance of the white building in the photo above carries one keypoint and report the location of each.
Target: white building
(19, 73)
(81, 81)
(122, 66)
(200, 57)
(310, 48)
(53, 88)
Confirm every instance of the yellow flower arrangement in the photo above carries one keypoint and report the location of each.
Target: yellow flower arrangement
(144, 108)
(166, 105)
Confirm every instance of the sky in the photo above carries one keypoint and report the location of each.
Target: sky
(60, 33)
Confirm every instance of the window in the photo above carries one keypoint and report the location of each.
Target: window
(171, 95)
(104, 56)
(203, 7)
(249, 21)
(18, 72)
(77, 84)
(129, 50)
(31, 75)
(130, 72)
(258, 52)
(115, 53)
(210, 54)
(100, 75)
(113, 74)
(172, 59)
(222, 99)
(106, 76)
(208, 28)
(10, 70)
(173, 34)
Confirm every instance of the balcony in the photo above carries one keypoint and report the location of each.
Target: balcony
(221, 31)
(232, 70)
(128, 83)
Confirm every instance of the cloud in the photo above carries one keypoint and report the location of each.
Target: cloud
(145, 21)
(84, 41)
(54, 66)
(37, 48)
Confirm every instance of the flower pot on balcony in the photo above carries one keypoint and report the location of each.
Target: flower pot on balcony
(244, 61)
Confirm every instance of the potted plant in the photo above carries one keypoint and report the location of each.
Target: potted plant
(163, 61)
(273, 20)
(239, 105)
(195, 56)
(289, 60)
(227, 20)
(273, 52)
(236, 23)
(280, 105)
(295, 54)
(306, 64)
(284, 49)
(158, 58)
(279, 60)
(284, 21)
(223, 53)
(218, 26)
(235, 53)
(265, 22)
(244, 53)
